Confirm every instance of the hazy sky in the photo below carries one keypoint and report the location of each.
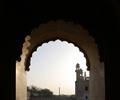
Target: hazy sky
(53, 66)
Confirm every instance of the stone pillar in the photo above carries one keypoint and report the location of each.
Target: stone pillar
(21, 82)
(101, 77)
(97, 82)
(21, 79)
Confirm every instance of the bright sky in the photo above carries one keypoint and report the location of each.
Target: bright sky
(53, 66)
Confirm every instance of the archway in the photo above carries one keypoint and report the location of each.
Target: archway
(53, 65)
(71, 33)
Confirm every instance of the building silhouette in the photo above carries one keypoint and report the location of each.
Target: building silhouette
(81, 84)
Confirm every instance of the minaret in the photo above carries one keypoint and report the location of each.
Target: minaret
(84, 75)
(78, 71)
(79, 83)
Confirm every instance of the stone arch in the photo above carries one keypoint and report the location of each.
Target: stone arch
(73, 34)
(64, 31)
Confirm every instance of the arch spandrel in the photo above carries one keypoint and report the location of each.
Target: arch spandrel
(64, 31)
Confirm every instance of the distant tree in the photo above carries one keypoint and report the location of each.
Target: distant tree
(46, 93)
(28, 88)
(35, 91)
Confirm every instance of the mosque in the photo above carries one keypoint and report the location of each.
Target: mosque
(81, 84)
